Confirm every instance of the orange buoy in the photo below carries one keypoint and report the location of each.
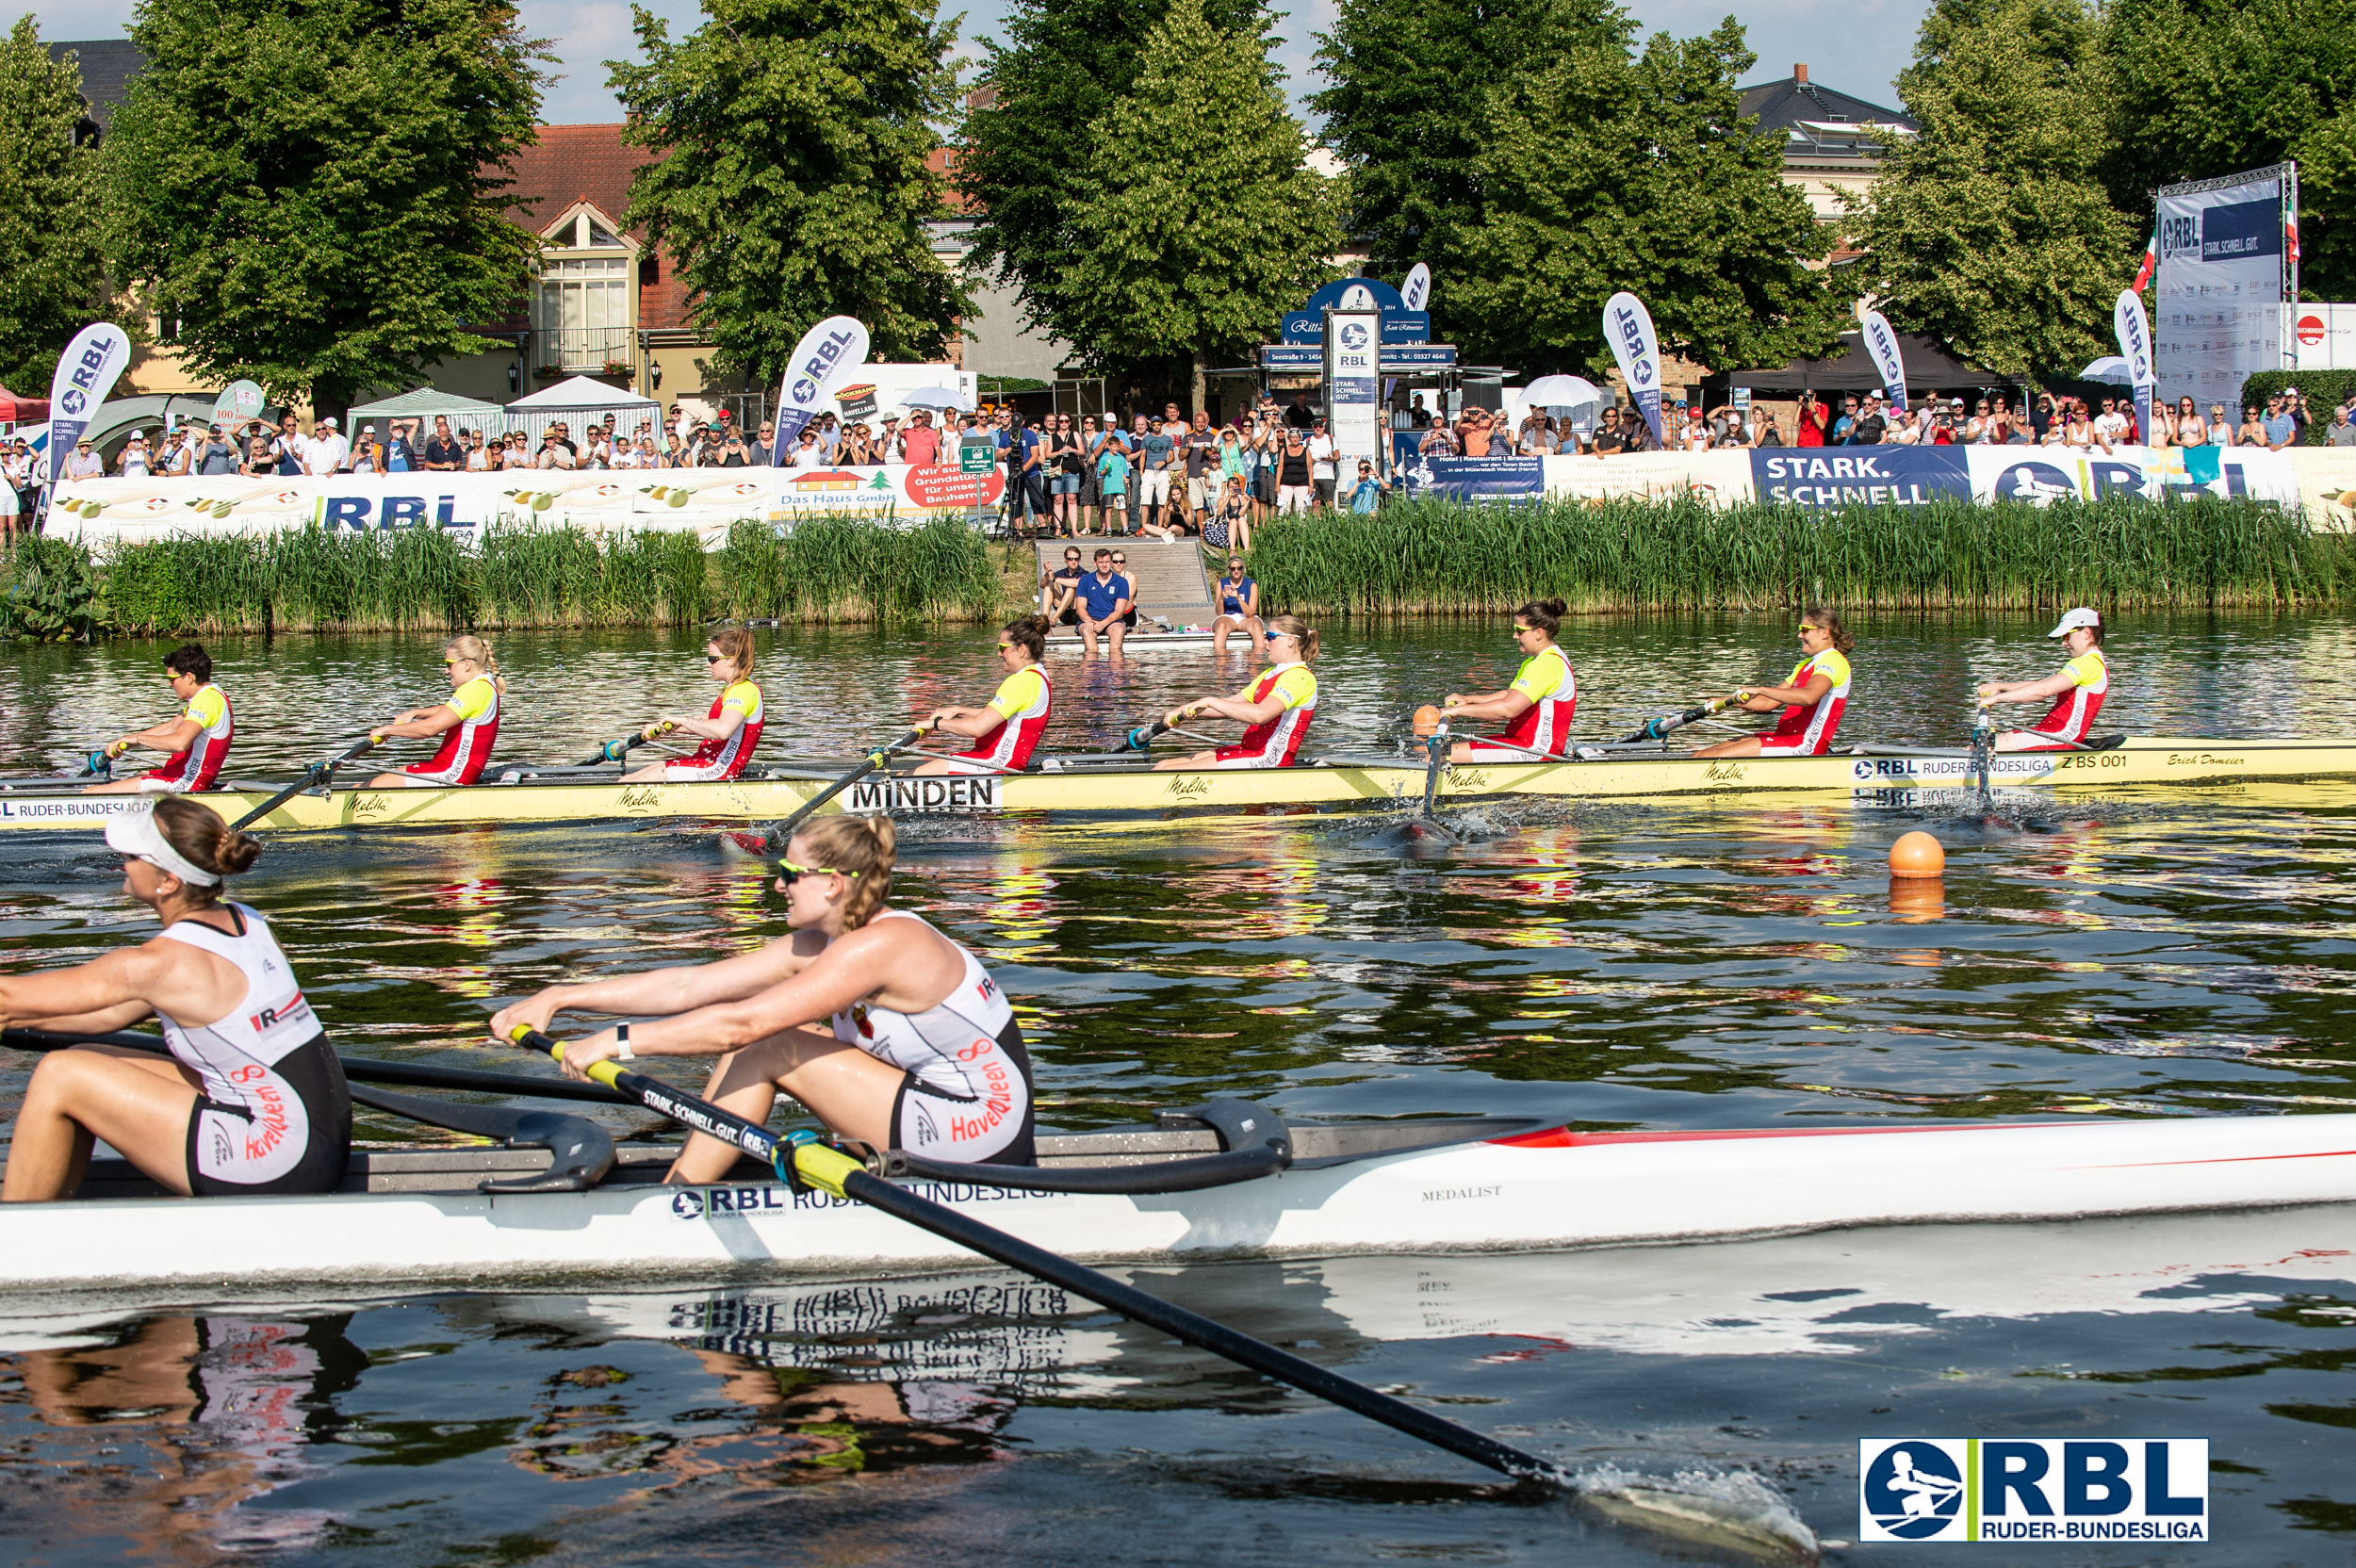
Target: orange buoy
(1427, 722)
(1917, 855)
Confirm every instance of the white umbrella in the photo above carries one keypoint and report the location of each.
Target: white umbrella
(933, 396)
(2111, 367)
(1562, 392)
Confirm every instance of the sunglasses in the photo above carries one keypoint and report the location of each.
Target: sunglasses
(713, 657)
(787, 871)
(1806, 626)
(1271, 636)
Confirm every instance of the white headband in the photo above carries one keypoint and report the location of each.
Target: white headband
(135, 833)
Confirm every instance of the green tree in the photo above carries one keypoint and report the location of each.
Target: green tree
(1021, 163)
(1202, 223)
(310, 190)
(1601, 170)
(2196, 89)
(1989, 228)
(1401, 107)
(794, 183)
(53, 266)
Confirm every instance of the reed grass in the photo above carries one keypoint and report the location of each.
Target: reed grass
(853, 568)
(1434, 557)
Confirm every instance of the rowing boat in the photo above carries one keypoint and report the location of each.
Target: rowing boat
(1110, 785)
(413, 1215)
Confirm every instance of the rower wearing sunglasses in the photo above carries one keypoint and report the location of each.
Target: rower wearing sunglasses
(1536, 710)
(1278, 705)
(729, 732)
(1005, 731)
(1811, 698)
(469, 723)
(889, 1033)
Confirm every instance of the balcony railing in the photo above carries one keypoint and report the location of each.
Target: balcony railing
(584, 349)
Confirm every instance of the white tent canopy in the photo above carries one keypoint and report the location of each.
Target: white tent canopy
(581, 402)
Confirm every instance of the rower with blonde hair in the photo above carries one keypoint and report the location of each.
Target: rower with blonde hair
(1277, 705)
(469, 723)
(888, 1032)
(733, 728)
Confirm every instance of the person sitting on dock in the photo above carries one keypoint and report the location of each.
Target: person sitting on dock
(1812, 697)
(1238, 599)
(2078, 689)
(1536, 708)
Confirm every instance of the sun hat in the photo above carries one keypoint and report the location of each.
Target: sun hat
(2075, 619)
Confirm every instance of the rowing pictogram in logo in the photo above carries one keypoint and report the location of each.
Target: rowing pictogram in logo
(1913, 1490)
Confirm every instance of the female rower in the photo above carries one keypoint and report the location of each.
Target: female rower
(729, 732)
(197, 741)
(1278, 705)
(1536, 708)
(1007, 731)
(469, 723)
(1238, 604)
(2077, 687)
(888, 1032)
(251, 1098)
(1811, 698)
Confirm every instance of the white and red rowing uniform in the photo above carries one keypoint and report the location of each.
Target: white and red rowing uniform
(2074, 714)
(1275, 743)
(965, 1090)
(466, 744)
(723, 758)
(196, 765)
(272, 1113)
(1545, 727)
(1023, 701)
(1807, 731)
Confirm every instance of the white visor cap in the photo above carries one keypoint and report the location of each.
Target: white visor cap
(2074, 619)
(135, 833)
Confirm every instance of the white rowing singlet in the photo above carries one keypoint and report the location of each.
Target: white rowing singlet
(270, 1128)
(952, 1047)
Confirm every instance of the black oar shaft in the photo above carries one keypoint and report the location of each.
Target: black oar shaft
(833, 1171)
(1438, 744)
(778, 833)
(317, 771)
(360, 1070)
(614, 751)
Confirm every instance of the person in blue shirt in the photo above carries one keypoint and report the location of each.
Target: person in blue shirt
(1112, 478)
(1842, 427)
(1154, 443)
(1369, 492)
(1104, 600)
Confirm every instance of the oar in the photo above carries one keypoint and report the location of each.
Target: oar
(614, 751)
(773, 838)
(1658, 728)
(800, 1159)
(1142, 737)
(320, 770)
(360, 1070)
(1438, 747)
(1983, 743)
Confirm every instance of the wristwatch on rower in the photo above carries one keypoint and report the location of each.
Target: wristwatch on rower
(621, 1039)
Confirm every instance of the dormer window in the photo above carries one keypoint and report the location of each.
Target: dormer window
(585, 310)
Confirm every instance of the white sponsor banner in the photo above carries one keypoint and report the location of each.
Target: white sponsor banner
(1353, 387)
(1721, 478)
(2042, 475)
(86, 374)
(2325, 336)
(1881, 346)
(108, 511)
(825, 356)
(2327, 485)
(1416, 291)
(1627, 327)
(2219, 294)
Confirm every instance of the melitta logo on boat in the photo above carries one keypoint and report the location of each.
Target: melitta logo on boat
(746, 1202)
(908, 797)
(2032, 1489)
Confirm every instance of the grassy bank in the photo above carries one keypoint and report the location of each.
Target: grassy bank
(827, 569)
(1434, 557)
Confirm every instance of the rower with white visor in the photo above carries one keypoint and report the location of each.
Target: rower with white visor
(251, 1098)
(2077, 688)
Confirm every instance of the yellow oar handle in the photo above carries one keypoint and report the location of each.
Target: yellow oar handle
(823, 1167)
(604, 1073)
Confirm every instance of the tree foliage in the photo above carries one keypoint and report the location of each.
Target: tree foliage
(307, 188)
(1200, 223)
(1601, 170)
(1405, 87)
(2196, 89)
(53, 265)
(1021, 163)
(1990, 229)
(793, 181)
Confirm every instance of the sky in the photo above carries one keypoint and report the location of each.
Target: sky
(1855, 45)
